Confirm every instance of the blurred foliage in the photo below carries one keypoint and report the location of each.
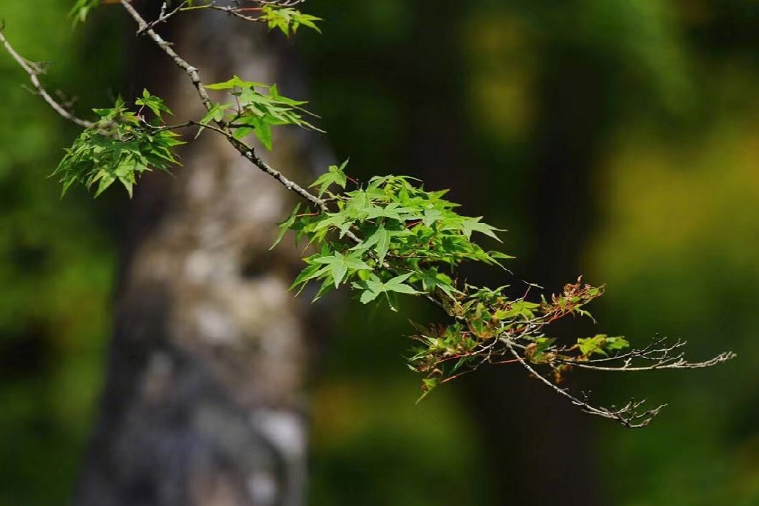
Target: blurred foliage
(371, 443)
(676, 213)
(56, 272)
(679, 249)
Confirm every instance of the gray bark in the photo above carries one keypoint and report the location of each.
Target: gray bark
(205, 400)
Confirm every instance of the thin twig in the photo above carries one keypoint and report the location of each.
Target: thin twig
(233, 11)
(677, 362)
(163, 16)
(628, 415)
(34, 72)
(165, 46)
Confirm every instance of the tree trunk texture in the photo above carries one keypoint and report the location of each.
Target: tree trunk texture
(538, 447)
(543, 448)
(205, 400)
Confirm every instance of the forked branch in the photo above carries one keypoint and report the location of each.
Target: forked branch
(630, 415)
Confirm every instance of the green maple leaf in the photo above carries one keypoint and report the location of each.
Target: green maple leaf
(475, 225)
(286, 225)
(334, 175)
(374, 287)
(340, 264)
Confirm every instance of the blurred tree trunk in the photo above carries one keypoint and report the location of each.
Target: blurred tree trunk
(205, 402)
(538, 447)
(545, 447)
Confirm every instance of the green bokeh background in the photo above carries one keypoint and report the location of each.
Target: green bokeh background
(672, 92)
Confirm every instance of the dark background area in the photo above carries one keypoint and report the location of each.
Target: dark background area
(617, 139)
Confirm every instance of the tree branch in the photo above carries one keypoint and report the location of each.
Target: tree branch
(233, 11)
(165, 46)
(245, 150)
(223, 129)
(658, 355)
(515, 335)
(34, 72)
(164, 16)
(628, 415)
